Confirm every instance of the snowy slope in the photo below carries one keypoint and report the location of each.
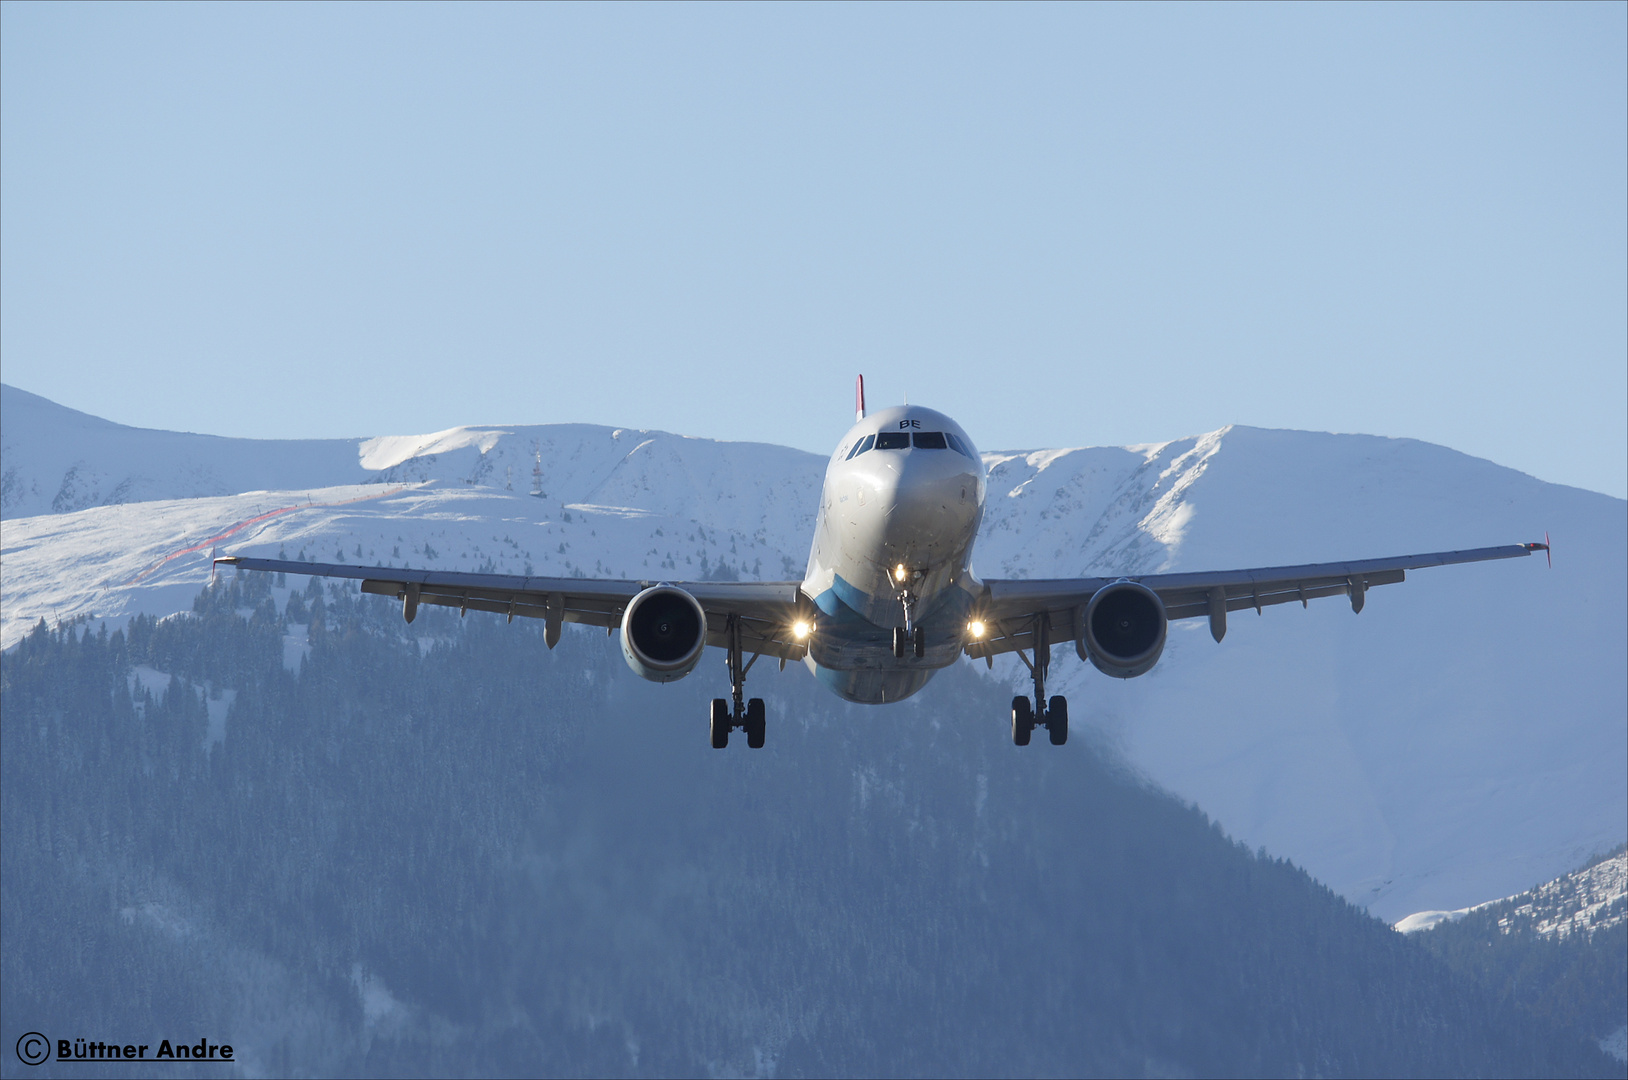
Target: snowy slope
(55, 460)
(1584, 901)
(1462, 738)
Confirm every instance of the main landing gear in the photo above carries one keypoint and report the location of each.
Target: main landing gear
(1054, 719)
(735, 712)
(1053, 714)
(725, 720)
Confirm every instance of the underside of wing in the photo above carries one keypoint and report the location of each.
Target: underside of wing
(1017, 615)
(766, 612)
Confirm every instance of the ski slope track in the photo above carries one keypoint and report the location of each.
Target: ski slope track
(1459, 740)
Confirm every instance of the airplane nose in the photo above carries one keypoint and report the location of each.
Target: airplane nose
(928, 475)
(909, 480)
(923, 494)
(889, 484)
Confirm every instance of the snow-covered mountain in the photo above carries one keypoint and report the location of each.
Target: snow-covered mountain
(1462, 738)
(56, 460)
(1584, 901)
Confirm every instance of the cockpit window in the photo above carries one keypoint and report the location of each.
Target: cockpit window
(901, 440)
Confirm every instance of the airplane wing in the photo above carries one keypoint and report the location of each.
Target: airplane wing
(1016, 612)
(765, 611)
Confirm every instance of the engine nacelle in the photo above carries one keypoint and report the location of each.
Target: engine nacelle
(664, 632)
(1123, 630)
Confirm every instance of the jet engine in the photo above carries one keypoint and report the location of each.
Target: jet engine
(1123, 630)
(664, 632)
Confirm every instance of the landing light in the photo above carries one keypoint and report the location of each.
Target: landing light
(899, 572)
(975, 628)
(800, 630)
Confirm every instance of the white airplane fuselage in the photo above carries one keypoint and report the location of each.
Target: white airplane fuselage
(895, 530)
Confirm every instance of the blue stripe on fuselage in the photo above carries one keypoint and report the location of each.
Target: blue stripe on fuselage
(854, 657)
(843, 602)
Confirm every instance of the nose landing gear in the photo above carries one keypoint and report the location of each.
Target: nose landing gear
(736, 712)
(909, 636)
(913, 641)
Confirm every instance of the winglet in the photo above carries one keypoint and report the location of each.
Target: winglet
(859, 400)
(1543, 547)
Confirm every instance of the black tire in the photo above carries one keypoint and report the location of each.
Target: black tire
(1057, 720)
(921, 642)
(1022, 721)
(755, 723)
(720, 723)
(898, 642)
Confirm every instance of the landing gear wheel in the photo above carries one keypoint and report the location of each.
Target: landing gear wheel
(755, 723)
(898, 642)
(920, 642)
(1022, 721)
(720, 723)
(1057, 720)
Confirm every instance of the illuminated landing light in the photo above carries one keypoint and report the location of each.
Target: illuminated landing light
(801, 630)
(975, 628)
(900, 573)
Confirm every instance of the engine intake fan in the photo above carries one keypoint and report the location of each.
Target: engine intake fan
(1123, 630)
(664, 632)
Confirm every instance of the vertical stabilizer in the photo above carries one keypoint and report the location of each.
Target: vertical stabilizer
(859, 400)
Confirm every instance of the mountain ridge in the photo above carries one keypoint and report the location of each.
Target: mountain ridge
(1453, 744)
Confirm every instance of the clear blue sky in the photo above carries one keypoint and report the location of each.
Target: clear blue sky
(1064, 225)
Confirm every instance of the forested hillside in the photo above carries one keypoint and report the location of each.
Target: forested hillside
(1575, 979)
(457, 852)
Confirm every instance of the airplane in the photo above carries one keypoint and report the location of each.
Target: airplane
(889, 597)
